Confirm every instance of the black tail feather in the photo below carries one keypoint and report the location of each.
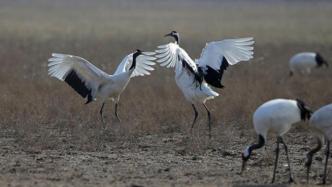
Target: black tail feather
(213, 77)
(74, 81)
(305, 111)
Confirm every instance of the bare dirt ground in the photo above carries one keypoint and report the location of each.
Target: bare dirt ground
(165, 159)
(48, 137)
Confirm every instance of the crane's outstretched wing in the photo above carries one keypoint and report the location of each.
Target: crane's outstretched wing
(77, 72)
(171, 55)
(144, 63)
(217, 55)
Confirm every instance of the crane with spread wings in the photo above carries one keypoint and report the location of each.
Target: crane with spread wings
(91, 83)
(194, 78)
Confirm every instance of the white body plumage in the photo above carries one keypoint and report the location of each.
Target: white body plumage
(194, 94)
(321, 124)
(113, 88)
(276, 115)
(185, 80)
(321, 121)
(303, 63)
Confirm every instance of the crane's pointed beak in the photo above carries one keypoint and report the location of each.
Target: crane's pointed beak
(244, 163)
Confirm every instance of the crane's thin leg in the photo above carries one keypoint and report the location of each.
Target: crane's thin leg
(276, 161)
(327, 159)
(101, 113)
(289, 167)
(310, 156)
(116, 111)
(209, 120)
(196, 114)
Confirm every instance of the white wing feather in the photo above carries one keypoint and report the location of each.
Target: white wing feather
(143, 67)
(61, 64)
(234, 50)
(171, 54)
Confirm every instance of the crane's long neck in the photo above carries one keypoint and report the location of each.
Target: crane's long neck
(261, 142)
(311, 153)
(133, 65)
(177, 39)
(247, 152)
(305, 112)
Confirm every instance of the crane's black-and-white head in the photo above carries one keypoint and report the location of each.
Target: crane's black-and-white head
(135, 55)
(246, 153)
(305, 111)
(320, 60)
(175, 35)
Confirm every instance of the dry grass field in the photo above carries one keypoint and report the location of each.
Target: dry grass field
(48, 137)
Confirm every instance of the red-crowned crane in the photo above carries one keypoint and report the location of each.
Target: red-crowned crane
(304, 62)
(194, 78)
(278, 116)
(92, 83)
(321, 124)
